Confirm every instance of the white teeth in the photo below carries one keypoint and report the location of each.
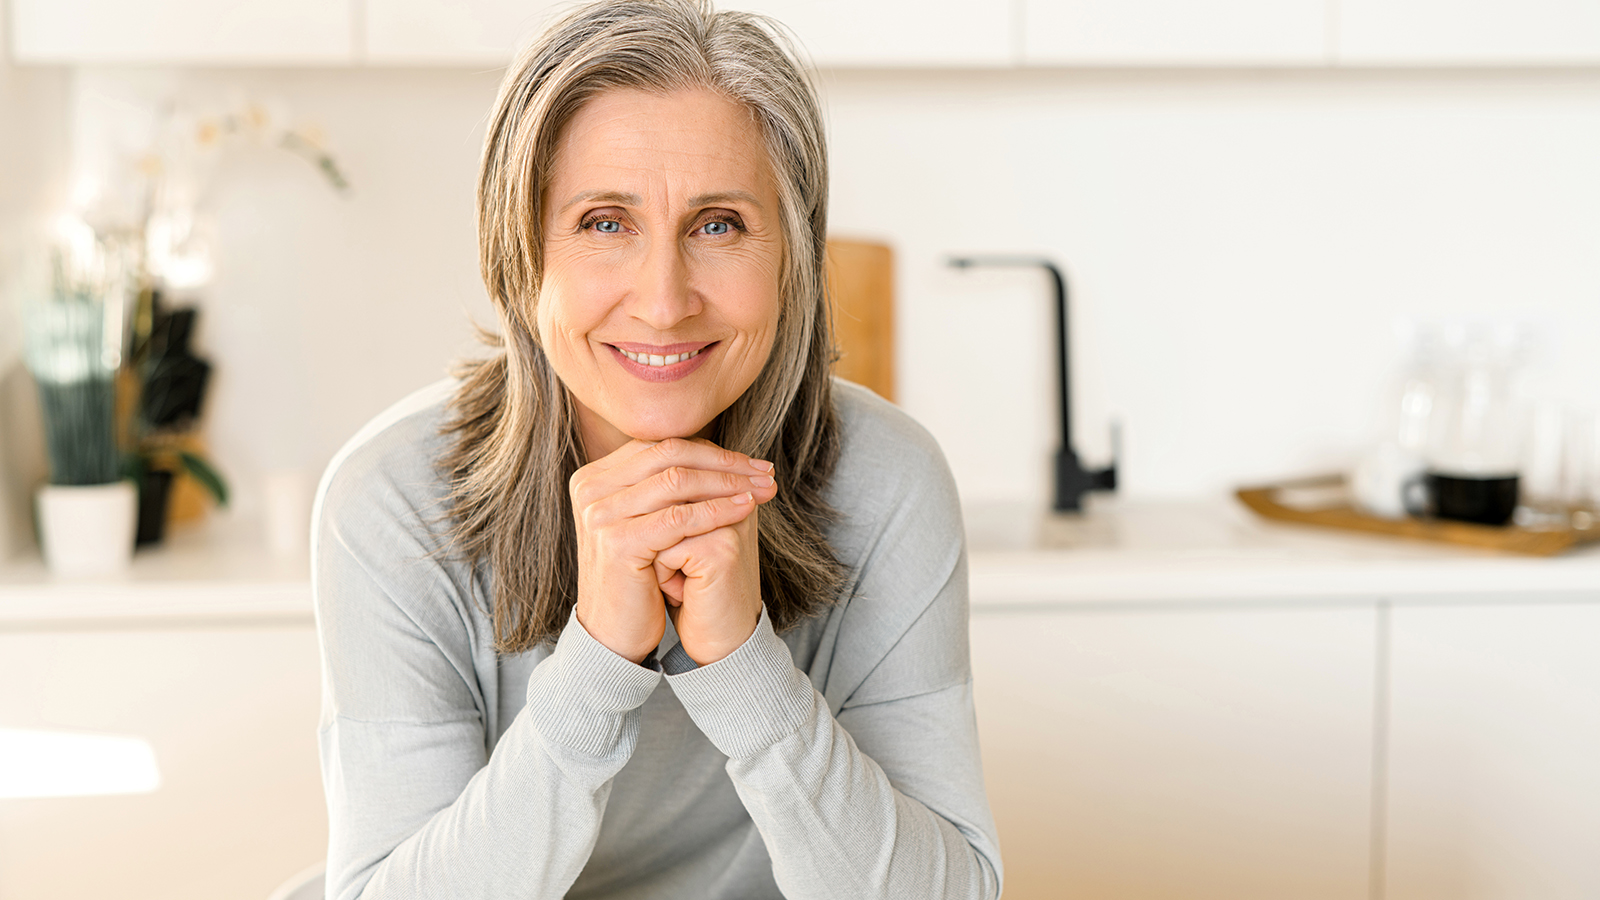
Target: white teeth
(655, 361)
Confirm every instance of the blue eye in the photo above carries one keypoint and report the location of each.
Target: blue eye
(608, 226)
(718, 228)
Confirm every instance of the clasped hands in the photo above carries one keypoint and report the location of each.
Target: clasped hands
(669, 529)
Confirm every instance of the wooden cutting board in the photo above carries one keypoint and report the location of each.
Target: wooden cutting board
(861, 285)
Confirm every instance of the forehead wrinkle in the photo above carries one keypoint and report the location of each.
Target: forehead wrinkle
(716, 198)
(659, 162)
(620, 197)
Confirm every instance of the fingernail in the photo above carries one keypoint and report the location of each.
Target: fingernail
(762, 480)
(744, 498)
(761, 464)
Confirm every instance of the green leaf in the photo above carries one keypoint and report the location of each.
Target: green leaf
(207, 476)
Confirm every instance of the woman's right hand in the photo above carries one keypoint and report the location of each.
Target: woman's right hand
(638, 501)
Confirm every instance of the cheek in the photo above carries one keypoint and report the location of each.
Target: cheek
(561, 316)
(753, 298)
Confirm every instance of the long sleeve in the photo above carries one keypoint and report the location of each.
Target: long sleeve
(417, 805)
(884, 799)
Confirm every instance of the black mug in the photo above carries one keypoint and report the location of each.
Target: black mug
(1484, 499)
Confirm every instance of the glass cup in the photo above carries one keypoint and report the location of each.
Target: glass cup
(1581, 469)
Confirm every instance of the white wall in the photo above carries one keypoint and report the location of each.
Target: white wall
(33, 141)
(325, 308)
(1240, 244)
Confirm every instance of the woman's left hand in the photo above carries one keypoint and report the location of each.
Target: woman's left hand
(712, 583)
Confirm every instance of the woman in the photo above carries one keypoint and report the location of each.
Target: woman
(646, 605)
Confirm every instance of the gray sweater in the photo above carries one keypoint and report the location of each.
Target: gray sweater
(837, 760)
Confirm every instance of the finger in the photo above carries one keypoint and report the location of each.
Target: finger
(677, 485)
(686, 454)
(672, 588)
(663, 528)
(664, 573)
(620, 455)
(695, 556)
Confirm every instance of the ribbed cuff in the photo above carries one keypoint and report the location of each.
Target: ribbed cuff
(750, 699)
(678, 661)
(581, 694)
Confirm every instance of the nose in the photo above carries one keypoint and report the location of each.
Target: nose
(662, 295)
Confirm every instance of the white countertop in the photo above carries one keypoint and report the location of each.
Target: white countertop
(1122, 551)
(211, 573)
(1119, 552)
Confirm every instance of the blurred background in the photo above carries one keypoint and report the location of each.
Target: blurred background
(1254, 201)
(1246, 199)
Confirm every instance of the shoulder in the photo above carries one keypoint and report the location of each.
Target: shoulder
(392, 462)
(391, 603)
(899, 533)
(379, 551)
(887, 460)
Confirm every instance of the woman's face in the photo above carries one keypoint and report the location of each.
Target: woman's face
(662, 258)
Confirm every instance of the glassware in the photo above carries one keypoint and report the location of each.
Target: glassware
(1581, 471)
(1545, 467)
(1474, 446)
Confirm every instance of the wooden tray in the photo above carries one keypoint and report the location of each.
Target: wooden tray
(1333, 510)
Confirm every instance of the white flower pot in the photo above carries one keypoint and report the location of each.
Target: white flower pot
(87, 530)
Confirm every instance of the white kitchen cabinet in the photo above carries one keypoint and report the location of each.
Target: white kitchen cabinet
(200, 32)
(1179, 753)
(1175, 32)
(231, 712)
(1494, 790)
(865, 33)
(896, 33)
(1468, 32)
(452, 32)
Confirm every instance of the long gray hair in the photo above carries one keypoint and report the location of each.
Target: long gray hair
(515, 432)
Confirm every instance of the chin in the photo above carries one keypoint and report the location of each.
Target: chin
(660, 427)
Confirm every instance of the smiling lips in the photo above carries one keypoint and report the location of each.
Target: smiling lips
(651, 359)
(669, 363)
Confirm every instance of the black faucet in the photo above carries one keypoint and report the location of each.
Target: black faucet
(1072, 479)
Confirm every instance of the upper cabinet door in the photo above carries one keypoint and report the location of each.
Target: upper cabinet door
(896, 33)
(1175, 32)
(453, 32)
(1468, 32)
(201, 32)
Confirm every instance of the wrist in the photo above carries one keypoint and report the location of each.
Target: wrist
(632, 644)
(706, 652)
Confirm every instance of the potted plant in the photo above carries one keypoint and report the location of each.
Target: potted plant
(170, 387)
(72, 349)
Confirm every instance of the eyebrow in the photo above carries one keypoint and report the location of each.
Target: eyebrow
(602, 196)
(717, 197)
(625, 199)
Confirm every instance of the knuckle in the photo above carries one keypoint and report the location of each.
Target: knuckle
(589, 519)
(672, 448)
(580, 489)
(676, 517)
(673, 477)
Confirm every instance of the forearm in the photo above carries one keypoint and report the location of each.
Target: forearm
(834, 823)
(838, 827)
(409, 817)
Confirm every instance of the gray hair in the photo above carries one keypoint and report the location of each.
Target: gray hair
(512, 421)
